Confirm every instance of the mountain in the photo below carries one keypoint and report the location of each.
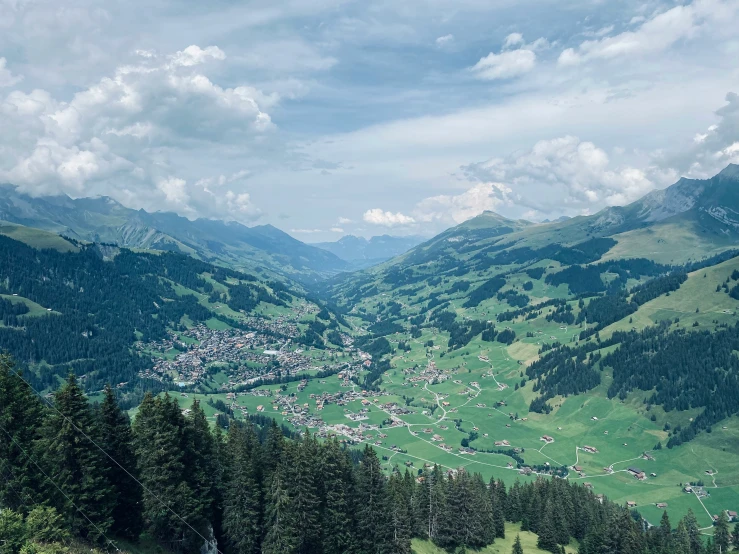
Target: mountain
(230, 243)
(362, 252)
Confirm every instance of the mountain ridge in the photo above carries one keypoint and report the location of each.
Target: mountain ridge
(103, 219)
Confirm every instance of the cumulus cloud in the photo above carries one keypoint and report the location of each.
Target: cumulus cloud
(7, 79)
(563, 173)
(377, 216)
(343, 220)
(504, 65)
(509, 62)
(444, 41)
(657, 33)
(118, 136)
(713, 149)
(454, 209)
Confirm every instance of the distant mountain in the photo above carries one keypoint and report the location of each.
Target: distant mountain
(688, 221)
(361, 252)
(105, 220)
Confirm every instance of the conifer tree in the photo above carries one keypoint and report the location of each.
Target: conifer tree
(681, 539)
(399, 517)
(117, 442)
(20, 419)
(735, 537)
(159, 442)
(517, 548)
(337, 523)
(242, 499)
(547, 534)
(721, 534)
(304, 494)
(694, 534)
(281, 533)
(84, 495)
(372, 521)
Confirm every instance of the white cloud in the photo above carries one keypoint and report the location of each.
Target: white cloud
(563, 173)
(444, 41)
(713, 149)
(454, 209)
(194, 55)
(514, 39)
(128, 126)
(658, 33)
(504, 65)
(509, 63)
(343, 220)
(336, 230)
(7, 79)
(377, 216)
(306, 231)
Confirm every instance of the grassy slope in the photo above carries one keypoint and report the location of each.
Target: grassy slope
(36, 237)
(501, 546)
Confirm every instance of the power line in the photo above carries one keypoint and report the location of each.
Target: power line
(59, 489)
(114, 460)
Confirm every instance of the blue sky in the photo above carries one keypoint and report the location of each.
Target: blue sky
(366, 117)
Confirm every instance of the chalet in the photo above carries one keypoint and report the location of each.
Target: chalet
(688, 489)
(547, 439)
(502, 443)
(630, 504)
(732, 515)
(590, 449)
(661, 505)
(588, 485)
(638, 473)
(577, 468)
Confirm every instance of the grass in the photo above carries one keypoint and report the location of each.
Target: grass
(36, 237)
(500, 546)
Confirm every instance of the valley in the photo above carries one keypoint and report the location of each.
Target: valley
(598, 351)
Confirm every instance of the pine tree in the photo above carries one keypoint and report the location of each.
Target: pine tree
(399, 517)
(681, 539)
(735, 537)
(281, 533)
(372, 521)
(304, 494)
(77, 467)
(200, 475)
(20, 419)
(721, 535)
(242, 499)
(117, 442)
(694, 534)
(546, 531)
(159, 442)
(517, 548)
(337, 524)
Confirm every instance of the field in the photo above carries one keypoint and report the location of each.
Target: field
(501, 546)
(479, 394)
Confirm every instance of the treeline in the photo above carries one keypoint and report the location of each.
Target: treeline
(79, 470)
(102, 306)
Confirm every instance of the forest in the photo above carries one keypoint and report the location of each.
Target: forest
(99, 301)
(75, 471)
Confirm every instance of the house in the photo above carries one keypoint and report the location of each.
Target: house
(661, 505)
(688, 489)
(577, 468)
(630, 504)
(588, 485)
(732, 515)
(547, 439)
(590, 449)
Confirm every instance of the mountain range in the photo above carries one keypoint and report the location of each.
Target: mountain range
(230, 243)
(361, 252)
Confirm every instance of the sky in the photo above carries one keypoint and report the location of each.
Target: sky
(366, 117)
